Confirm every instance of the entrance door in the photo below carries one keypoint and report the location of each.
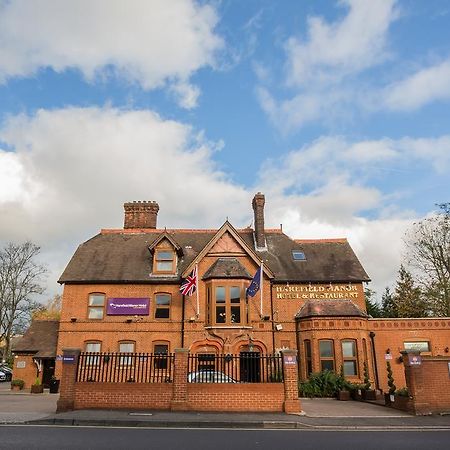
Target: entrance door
(48, 370)
(250, 367)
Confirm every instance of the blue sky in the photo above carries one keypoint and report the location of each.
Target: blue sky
(337, 111)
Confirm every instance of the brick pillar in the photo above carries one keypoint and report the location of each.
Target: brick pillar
(68, 377)
(415, 382)
(179, 396)
(290, 371)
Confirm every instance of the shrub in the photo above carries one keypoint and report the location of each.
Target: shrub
(323, 384)
(37, 382)
(402, 392)
(18, 382)
(391, 384)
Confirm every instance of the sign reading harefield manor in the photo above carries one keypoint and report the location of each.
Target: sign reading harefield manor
(324, 291)
(128, 306)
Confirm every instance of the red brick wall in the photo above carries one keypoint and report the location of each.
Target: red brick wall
(429, 385)
(260, 397)
(28, 373)
(122, 395)
(392, 333)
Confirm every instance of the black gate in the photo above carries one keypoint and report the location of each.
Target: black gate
(250, 363)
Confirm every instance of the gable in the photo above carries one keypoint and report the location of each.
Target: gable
(228, 245)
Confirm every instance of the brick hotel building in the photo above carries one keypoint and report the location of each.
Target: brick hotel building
(122, 294)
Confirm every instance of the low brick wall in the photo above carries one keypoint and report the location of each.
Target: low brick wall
(429, 384)
(122, 395)
(260, 397)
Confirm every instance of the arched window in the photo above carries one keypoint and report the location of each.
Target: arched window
(160, 351)
(96, 305)
(92, 347)
(126, 347)
(162, 306)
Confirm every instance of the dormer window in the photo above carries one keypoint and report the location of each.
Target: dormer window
(164, 260)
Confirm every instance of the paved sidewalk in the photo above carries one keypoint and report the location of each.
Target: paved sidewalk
(23, 407)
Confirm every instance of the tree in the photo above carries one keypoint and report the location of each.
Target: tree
(428, 244)
(51, 310)
(372, 307)
(408, 298)
(20, 282)
(388, 305)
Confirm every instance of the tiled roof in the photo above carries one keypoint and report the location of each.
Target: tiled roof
(123, 257)
(227, 268)
(333, 308)
(41, 339)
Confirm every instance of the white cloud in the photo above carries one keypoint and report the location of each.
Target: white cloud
(320, 69)
(426, 85)
(150, 43)
(346, 46)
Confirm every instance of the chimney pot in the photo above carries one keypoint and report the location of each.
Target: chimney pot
(140, 214)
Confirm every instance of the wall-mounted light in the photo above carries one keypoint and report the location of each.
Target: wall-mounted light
(446, 349)
(129, 320)
(73, 319)
(266, 318)
(388, 350)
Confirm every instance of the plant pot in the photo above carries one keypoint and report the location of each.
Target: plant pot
(389, 399)
(54, 386)
(402, 403)
(37, 389)
(16, 388)
(343, 395)
(369, 394)
(357, 394)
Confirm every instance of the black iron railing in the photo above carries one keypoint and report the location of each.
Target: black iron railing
(125, 367)
(247, 367)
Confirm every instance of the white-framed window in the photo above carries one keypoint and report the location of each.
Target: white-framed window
(162, 306)
(350, 357)
(126, 347)
(93, 347)
(96, 306)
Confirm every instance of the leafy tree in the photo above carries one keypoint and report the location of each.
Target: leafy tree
(20, 282)
(428, 244)
(372, 307)
(51, 310)
(388, 305)
(408, 298)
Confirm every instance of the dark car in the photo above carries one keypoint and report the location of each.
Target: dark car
(7, 372)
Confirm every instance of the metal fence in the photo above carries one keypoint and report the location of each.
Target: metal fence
(125, 367)
(247, 367)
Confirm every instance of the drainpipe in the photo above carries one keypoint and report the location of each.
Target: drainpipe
(374, 359)
(272, 321)
(297, 339)
(182, 321)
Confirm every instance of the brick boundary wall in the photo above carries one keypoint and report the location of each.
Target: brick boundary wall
(181, 395)
(428, 383)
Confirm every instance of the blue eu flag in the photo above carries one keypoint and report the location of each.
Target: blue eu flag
(255, 284)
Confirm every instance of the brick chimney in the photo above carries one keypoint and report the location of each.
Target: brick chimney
(140, 214)
(258, 209)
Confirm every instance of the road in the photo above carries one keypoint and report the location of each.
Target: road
(50, 437)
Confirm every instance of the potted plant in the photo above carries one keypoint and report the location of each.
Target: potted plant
(54, 385)
(367, 393)
(343, 386)
(389, 398)
(17, 384)
(37, 387)
(401, 399)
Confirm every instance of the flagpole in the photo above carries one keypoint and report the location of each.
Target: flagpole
(261, 287)
(196, 289)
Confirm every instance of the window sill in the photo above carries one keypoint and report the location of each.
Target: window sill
(229, 327)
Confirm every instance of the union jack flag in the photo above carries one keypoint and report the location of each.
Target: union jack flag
(190, 283)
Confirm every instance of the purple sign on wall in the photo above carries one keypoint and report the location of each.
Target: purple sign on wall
(128, 306)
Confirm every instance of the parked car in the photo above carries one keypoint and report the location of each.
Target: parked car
(209, 376)
(2, 376)
(7, 372)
